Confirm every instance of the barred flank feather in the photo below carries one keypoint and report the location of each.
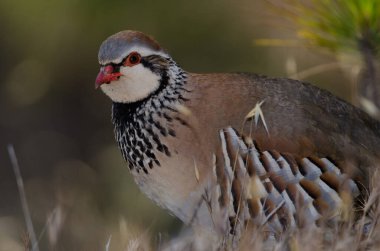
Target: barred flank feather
(277, 190)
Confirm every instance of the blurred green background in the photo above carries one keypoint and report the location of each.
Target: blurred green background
(78, 187)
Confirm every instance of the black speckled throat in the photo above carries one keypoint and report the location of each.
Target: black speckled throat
(140, 126)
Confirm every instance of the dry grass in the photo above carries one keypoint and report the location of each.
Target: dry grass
(350, 233)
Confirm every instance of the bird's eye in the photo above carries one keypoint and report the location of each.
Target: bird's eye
(133, 59)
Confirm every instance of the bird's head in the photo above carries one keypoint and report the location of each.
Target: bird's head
(132, 66)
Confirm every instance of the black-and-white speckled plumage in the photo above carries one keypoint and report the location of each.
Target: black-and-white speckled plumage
(139, 126)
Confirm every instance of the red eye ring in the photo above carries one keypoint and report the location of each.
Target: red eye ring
(133, 59)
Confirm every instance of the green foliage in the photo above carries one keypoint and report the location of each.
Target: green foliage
(339, 24)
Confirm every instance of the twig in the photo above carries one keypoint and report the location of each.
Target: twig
(24, 204)
(369, 77)
(316, 70)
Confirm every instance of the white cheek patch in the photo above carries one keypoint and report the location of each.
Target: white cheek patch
(136, 83)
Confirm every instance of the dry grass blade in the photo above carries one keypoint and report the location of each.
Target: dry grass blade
(24, 203)
(108, 243)
(257, 113)
(183, 110)
(369, 106)
(196, 170)
(276, 42)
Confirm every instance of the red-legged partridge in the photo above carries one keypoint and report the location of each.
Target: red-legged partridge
(222, 150)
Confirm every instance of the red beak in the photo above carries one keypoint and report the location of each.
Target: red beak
(106, 76)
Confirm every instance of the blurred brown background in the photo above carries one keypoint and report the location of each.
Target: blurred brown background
(78, 187)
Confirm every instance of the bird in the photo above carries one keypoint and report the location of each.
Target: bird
(223, 150)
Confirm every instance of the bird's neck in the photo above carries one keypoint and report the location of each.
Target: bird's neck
(140, 126)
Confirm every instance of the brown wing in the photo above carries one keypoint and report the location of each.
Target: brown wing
(301, 118)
